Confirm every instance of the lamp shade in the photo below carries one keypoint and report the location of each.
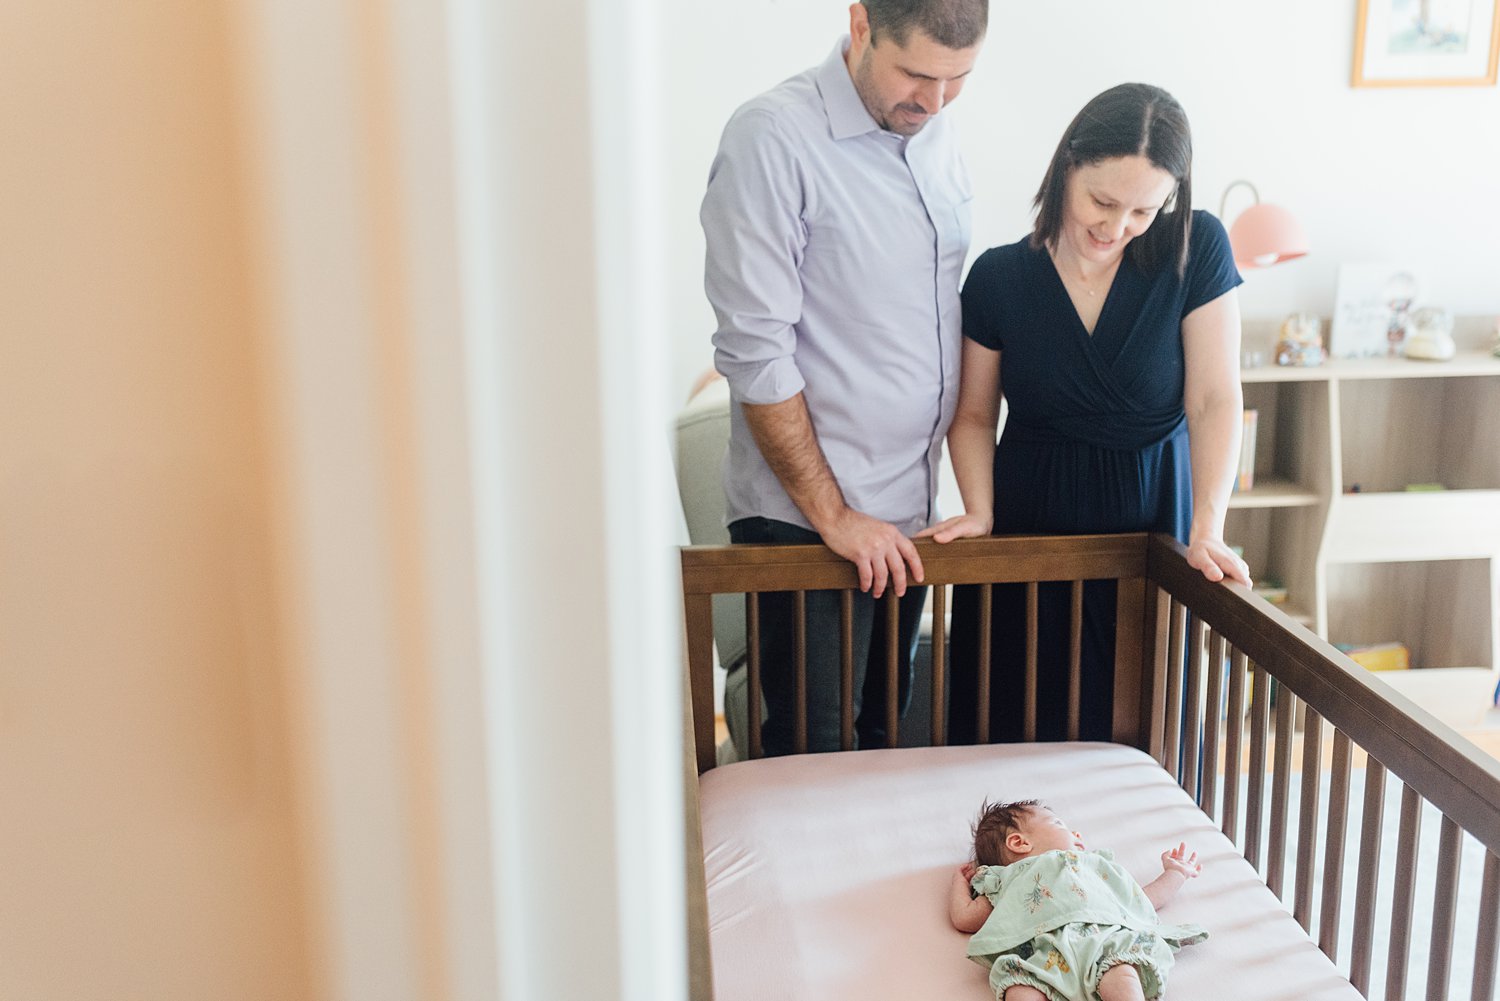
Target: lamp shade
(1264, 235)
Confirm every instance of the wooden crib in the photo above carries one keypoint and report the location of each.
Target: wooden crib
(1258, 761)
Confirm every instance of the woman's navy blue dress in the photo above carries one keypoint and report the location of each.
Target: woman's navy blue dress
(1095, 441)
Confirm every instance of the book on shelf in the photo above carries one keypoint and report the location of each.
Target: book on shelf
(1246, 478)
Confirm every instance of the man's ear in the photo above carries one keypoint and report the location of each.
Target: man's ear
(859, 27)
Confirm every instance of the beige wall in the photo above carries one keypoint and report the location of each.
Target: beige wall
(147, 839)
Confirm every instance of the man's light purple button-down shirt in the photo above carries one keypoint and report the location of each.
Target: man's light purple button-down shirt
(835, 252)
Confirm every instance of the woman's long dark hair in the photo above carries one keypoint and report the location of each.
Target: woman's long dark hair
(1133, 119)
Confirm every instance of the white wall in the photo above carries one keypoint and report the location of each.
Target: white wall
(1374, 174)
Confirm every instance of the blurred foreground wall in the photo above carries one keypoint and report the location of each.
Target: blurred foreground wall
(148, 843)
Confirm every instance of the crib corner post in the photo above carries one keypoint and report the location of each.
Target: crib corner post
(698, 613)
(699, 958)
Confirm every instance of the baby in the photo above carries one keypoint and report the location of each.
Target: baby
(1055, 922)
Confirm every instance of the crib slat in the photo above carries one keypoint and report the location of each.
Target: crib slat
(1487, 941)
(1255, 793)
(1075, 658)
(1333, 852)
(1307, 818)
(698, 615)
(939, 663)
(799, 725)
(1130, 637)
(1175, 655)
(1233, 741)
(1363, 948)
(752, 623)
(846, 669)
(1156, 616)
(986, 611)
(1191, 766)
(1030, 699)
(1286, 705)
(892, 670)
(1208, 794)
(1444, 907)
(1405, 894)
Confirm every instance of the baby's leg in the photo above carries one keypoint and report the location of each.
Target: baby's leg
(1120, 982)
(1023, 992)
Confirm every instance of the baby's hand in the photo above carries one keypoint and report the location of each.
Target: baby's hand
(1181, 860)
(963, 877)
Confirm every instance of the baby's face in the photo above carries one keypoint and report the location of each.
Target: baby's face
(1047, 832)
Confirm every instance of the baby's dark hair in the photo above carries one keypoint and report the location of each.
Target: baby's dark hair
(996, 820)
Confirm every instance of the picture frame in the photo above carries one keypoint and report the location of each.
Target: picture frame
(1426, 43)
(1372, 308)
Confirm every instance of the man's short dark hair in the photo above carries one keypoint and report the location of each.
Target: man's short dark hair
(953, 24)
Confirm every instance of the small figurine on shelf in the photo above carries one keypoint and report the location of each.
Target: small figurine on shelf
(1496, 350)
(1301, 340)
(1400, 293)
(1431, 335)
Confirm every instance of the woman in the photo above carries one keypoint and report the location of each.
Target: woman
(1119, 328)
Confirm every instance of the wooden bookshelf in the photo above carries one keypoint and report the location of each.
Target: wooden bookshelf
(1363, 559)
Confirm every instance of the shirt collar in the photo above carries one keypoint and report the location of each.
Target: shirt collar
(847, 115)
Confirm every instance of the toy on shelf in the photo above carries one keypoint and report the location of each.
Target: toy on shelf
(1430, 335)
(1301, 341)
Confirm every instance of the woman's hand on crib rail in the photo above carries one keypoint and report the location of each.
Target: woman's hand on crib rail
(961, 526)
(1214, 558)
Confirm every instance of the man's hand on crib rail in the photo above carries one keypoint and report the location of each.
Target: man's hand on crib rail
(877, 549)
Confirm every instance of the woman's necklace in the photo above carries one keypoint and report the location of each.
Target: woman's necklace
(1080, 280)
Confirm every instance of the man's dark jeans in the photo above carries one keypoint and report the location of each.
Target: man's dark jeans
(778, 657)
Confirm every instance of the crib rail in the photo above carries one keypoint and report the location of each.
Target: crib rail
(757, 569)
(1230, 696)
(1333, 721)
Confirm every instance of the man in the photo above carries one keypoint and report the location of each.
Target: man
(837, 223)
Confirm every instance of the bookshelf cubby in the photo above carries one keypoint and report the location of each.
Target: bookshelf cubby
(1376, 501)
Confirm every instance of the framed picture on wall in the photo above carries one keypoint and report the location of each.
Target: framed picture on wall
(1426, 43)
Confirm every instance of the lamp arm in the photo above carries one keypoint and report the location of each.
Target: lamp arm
(1224, 201)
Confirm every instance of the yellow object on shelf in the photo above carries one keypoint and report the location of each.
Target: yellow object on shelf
(1381, 656)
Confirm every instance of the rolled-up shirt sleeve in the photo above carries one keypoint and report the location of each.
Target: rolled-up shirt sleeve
(752, 222)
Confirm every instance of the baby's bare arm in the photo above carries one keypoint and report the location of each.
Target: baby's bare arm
(967, 912)
(1178, 865)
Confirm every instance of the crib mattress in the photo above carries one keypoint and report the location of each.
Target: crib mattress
(828, 874)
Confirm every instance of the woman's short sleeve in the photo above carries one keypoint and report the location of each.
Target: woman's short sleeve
(979, 299)
(1211, 271)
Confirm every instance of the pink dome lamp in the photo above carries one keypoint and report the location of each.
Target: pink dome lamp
(1263, 235)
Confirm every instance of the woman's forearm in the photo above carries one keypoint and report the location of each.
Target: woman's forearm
(971, 447)
(1214, 435)
(971, 437)
(1215, 406)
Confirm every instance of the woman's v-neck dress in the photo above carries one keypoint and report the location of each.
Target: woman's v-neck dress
(1095, 441)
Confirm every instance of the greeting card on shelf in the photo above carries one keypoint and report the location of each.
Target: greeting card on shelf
(1373, 309)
